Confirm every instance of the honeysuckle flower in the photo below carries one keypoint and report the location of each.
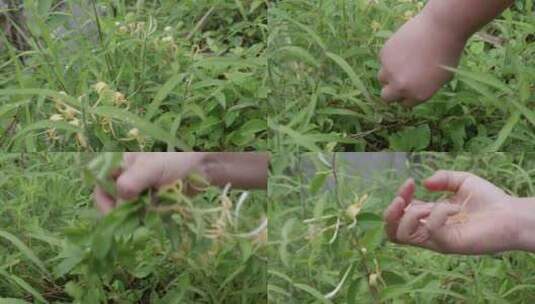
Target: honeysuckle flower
(133, 133)
(100, 87)
(75, 122)
(372, 281)
(168, 29)
(68, 111)
(52, 135)
(119, 99)
(353, 210)
(56, 117)
(167, 39)
(107, 125)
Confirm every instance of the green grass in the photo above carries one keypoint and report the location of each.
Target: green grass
(190, 76)
(56, 248)
(323, 62)
(308, 260)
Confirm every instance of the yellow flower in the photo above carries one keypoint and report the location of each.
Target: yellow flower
(353, 210)
(100, 87)
(69, 112)
(52, 135)
(119, 99)
(167, 39)
(133, 133)
(75, 122)
(56, 117)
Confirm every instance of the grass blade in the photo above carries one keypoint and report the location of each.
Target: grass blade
(24, 285)
(27, 252)
(145, 126)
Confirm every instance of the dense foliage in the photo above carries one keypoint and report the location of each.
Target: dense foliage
(163, 248)
(327, 243)
(134, 75)
(323, 66)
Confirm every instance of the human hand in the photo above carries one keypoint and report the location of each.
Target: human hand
(142, 171)
(412, 60)
(488, 222)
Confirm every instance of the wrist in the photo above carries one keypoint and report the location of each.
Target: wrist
(211, 167)
(524, 223)
(437, 19)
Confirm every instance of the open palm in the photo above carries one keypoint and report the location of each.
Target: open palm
(476, 219)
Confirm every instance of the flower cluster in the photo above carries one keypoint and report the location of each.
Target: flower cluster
(67, 113)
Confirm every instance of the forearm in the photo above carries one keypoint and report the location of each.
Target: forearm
(524, 219)
(241, 170)
(464, 17)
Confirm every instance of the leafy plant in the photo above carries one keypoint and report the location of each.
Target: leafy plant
(323, 65)
(327, 243)
(124, 75)
(164, 247)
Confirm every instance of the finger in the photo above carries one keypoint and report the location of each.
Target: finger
(382, 76)
(439, 215)
(410, 221)
(406, 191)
(389, 94)
(418, 203)
(104, 202)
(444, 180)
(392, 215)
(135, 179)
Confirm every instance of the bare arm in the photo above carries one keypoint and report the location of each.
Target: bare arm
(465, 17)
(241, 170)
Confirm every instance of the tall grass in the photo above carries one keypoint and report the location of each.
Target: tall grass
(323, 62)
(145, 75)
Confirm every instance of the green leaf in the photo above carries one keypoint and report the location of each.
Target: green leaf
(299, 53)
(143, 125)
(12, 301)
(504, 133)
(411, 139)
(163, 92)
(352, 75)
(41, 92)
(11, 106)
(312, 291)
(318, 181)
(27, 252)
(24, 285)
(297, 138)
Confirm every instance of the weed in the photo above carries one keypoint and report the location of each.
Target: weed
(323, 64)
(164, 247)
(113, 76)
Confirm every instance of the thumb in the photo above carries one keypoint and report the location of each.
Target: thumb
(444, 180)
(389, 94)
(138, 177)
